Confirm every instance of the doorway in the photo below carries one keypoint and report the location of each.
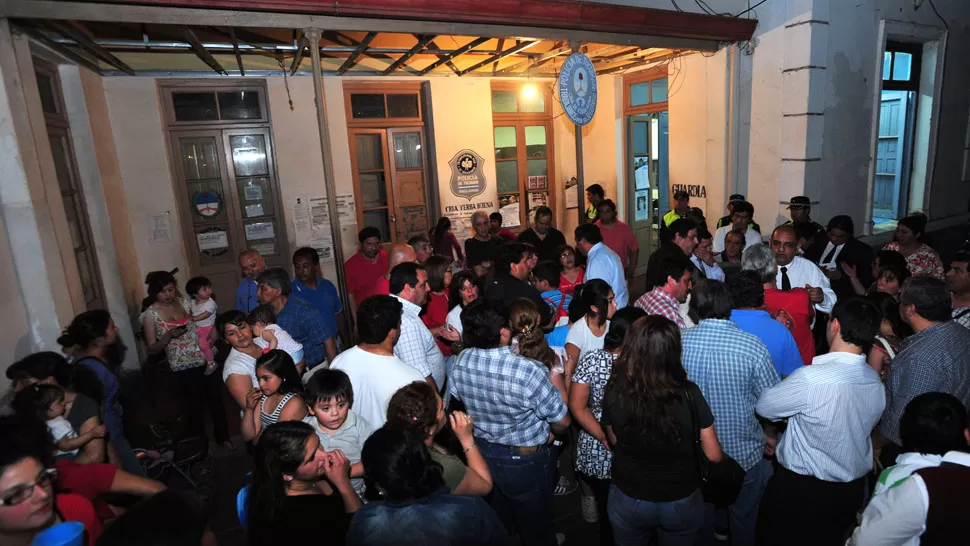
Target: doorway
(647, 172)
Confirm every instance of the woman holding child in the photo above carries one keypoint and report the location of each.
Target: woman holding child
(239, 371)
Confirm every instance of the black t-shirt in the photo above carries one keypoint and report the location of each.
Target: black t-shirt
(507, 288)
(82, 409)
(477, 251)
(548, 248)
(310, 519)
(651, 468)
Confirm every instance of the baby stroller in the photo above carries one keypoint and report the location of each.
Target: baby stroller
(186, 464)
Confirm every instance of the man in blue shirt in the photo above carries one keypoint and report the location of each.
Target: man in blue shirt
(748, 295)
(299, 318)
(252, 264)
(601, 262)
(308, 285)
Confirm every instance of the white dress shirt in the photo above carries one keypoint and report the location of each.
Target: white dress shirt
(751, 237)
(713, 272)
(802, 272)
(416, 347)
(898, 516)
(838, 392)
(830, 263)
(603, 263)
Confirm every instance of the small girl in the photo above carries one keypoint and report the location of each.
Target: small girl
(204, 310)
(529, 341)
(278, 398)
(268, 335)
(46, 402)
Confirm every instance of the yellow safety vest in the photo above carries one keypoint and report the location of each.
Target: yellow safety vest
(670, 217)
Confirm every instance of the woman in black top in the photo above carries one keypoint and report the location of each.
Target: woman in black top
(648, 423)
(299, 491)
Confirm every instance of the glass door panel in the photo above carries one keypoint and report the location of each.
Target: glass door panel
(373, 194)
(256, 199)
(410, 211)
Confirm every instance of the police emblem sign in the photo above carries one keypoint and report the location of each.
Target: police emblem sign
(467, 178)
(577, 88)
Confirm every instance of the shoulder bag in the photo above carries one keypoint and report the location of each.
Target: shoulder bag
(720, 482)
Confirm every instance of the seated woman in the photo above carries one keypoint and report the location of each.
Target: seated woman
(418, 408)
(239, 371)
(417, 509)
(299, 491)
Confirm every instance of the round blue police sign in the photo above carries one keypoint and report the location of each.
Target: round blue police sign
(577, 88)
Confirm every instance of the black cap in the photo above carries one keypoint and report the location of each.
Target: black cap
(799, 201)
(735, 197)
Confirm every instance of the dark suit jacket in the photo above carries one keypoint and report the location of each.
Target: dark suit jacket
(855, 253)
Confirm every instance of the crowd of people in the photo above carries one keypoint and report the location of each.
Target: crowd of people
(791, 387)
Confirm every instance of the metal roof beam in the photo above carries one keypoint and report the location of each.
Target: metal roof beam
(469, 46)
(529, 63)
(235, 51)
(361, 47)
(418, 47)
(494, 58)
(298, 58)
(74, 32)
(441, 56)
(201, 52)
(36, 34)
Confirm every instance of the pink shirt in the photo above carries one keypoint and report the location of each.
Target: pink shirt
(620, 239)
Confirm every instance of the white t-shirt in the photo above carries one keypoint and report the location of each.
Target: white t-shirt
(61, 428)
(199, 308)
(454, 318)
(374, 378)
(581, 336)
(284, 342)
(240, 364)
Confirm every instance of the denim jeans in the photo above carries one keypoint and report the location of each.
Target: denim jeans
(522, 491)
(742, 516)
(676, 523)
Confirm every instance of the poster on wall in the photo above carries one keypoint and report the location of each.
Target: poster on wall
(508, 207)
(642, 205)
(161, 227)
(642, 175)
(467, 177)
(572, 192)
(536, 200)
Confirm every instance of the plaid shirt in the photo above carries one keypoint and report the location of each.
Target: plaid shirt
(659, 302)
(304, 324)
(732, 368)
(417, 347)
(510, 398)
(934, 360)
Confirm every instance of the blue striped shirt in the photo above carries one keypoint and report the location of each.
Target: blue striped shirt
(510, 398)
(732, 368)
(831, 407)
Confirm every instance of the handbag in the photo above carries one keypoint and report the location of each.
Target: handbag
(721, 481)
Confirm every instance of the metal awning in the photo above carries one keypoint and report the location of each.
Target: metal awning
(376, 38)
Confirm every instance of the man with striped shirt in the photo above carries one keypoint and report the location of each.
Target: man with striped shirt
(826, 451)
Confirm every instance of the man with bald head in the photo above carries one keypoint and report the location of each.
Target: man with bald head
(399, 254)
(252, 264)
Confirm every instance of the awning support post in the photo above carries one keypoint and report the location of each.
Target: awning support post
(580, 185)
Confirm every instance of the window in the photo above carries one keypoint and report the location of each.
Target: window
(645, 92)
(901, 66)
(371, 105)
(216, 106)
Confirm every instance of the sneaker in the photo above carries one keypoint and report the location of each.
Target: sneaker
(564, 487)
(560, 538)
(721, 535)
(210, 367)
(590, 513)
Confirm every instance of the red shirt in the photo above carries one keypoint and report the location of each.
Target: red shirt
(72, 507)
(507, 234)
(435, 316)
(362, 273)
(797, 303)
(620, 239)
(381, 287)
(569, 288)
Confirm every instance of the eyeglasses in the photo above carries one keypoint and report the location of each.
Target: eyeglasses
(566, 254)
(46, 478)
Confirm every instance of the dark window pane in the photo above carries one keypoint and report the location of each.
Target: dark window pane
(402, 106)
(504, 102)
(195, 106)
(370, 153)
(239, 105)
(46, 87)
(507, 173)
(407, 150)
(367, 106)
(378, 219)
(373, 190)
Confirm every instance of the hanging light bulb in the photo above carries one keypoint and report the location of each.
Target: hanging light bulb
(529, 91)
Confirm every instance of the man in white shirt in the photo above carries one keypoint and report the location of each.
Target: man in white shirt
(703, 257)
(416, 346)
(797, 272)
(375, 373)
(601, 262)
(826, 452)
(741, 221)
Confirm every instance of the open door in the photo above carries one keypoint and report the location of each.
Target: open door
(647, 186)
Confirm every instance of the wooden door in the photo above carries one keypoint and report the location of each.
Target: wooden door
(369, 160)
(408, 186)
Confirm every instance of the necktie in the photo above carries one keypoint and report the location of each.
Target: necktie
(785, 281)
(828, 257)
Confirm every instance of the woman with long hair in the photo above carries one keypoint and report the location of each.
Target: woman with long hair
(299, 491)
(892, 332)
(572, 274)
(593, 458)
(418, 408)
(464, 289)
(594, 302)
(279, 397)
(444, 241)
(648, 409)
(435, 313)
(890, 280)
(529, 341)
(239, 370)
(415, 507)
(921, 259)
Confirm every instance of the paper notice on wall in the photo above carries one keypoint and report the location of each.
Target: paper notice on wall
(346, 212)
(510, 215)
(253, 193)
(253, 211)
(572, 193)
(161, 228)
(319, 214)
(642, 205)
(323, 244)
(259, 230)
(213, 240)
(265, 249)
(301, 221)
